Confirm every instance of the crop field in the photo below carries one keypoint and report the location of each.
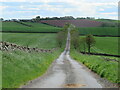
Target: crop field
(47, 41)
(19, 67)
(112, 31)
(98, 65)
(36, 27)
(77, 23)
(107, 45)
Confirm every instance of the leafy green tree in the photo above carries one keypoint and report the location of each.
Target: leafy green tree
(37, 18)
(1, 19)
(90, 41)
(62, 35)
(60, 38)
(75, 41)
(83, 43)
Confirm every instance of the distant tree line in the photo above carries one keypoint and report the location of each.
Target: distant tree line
(106, 22)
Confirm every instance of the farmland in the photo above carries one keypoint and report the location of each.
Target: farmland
(105, 31)
(35, 27)
(31, 39)
(17, 63)
(86, 27)
(108, 45)
(77, 23)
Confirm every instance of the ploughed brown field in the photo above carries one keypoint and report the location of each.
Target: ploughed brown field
(77, 23)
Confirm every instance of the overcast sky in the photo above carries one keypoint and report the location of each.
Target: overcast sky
(57, 8)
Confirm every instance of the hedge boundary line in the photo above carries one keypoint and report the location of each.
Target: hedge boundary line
(54, 32)
(23, 23)
(24, 32)
(101, 54)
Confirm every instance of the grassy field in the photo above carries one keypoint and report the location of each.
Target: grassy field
(47, 41)
(36, 27)
(98, 65)
(99, 31)
(19, 67)
(108, 45)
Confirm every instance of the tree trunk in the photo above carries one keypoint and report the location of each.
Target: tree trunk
(84, 48)
(89, 49)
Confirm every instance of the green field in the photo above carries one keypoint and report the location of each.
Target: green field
(106, 69)
(19, 67)
(31, 39)
(108, 45)
(36, 27)
(99, 31)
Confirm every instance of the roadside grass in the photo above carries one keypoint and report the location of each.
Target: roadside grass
(36, 27)
(108, 45)
(113, 31)
(20, 67)
(106, 69)
(45, 41)
(0, 69)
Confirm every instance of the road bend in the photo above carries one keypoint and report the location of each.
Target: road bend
(65, 73)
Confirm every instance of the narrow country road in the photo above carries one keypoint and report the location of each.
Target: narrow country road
(65, 73)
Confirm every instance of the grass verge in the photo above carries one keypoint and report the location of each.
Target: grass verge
(106, 69)
(19, 67)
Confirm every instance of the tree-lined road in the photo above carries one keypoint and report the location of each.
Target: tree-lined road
(65, 73)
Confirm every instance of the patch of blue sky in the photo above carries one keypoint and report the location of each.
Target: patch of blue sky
(21, 3)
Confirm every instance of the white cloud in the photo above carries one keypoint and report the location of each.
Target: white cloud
(101, 9)
(75, 7)
(2, 8)
(110, 13)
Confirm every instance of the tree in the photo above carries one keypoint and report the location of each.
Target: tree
(61, 38)
(90, 41)
(62, 35)
(37, 18)
(75, 41)
(83, 43)
(1, 19)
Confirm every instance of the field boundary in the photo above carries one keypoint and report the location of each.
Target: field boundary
(100, 54)
(6, 46)
(24, 32)
(102, 35)
(23, 23)
(53, 32)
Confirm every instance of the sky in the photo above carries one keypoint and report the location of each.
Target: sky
(27, 9)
